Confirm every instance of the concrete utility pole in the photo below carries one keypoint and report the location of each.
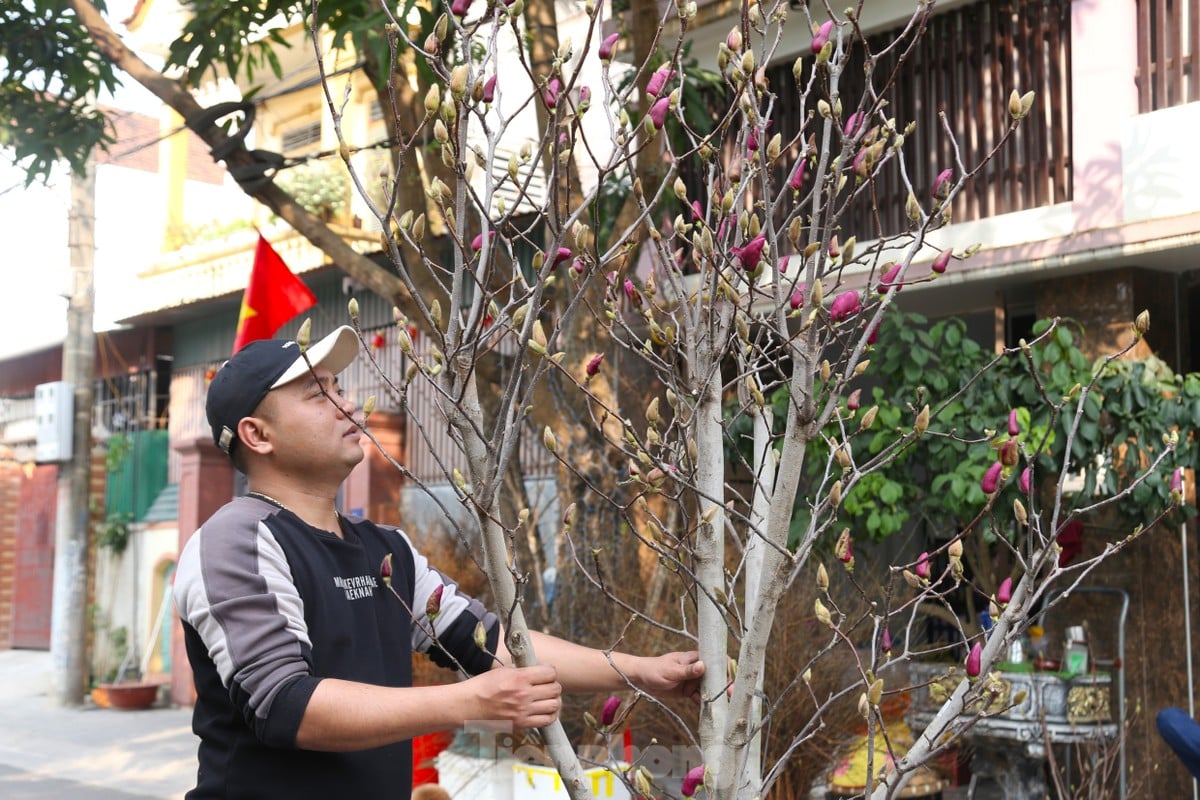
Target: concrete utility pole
(68, 622)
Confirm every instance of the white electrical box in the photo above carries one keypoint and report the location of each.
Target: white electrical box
(54, 409)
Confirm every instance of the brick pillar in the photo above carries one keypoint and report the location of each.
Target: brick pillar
(205, 484)
(373, 488)
(10, 488)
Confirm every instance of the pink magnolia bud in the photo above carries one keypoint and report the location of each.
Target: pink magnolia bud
(845, 305)
(1004, 593)
(889, 279)
(578, 266)
(658, 112)
(821, 36)
(460, 7)
(561, 255)
(606, 47)
(635, 297)
(974, 660)
(750, 255)
(941, 262)
(1026, 476)
(922, 568)
(783, 264)
(585, 97)
(1014, 427)
(991, 478)
(1177, 480)
(433, 606)
(551, 94)
(593, 365)
(941, 184)
(697, 211)
(385, 570)
(752, 141)
(853, 401)
(861, 166)
(797, 179)
(835, 247)
(873, 336)
(692, 781)
(658, 80)
(734, 40)
(797, 299)
(886, 642)
(477, 242)
(852, 124)
(489, 89)
(609, 712)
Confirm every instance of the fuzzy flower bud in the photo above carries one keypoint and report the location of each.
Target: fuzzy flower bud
(822, 613)
(1009, 453)
(822, 577)
(852, 402)
(955, 548)
(922, 422)
(974, 660)
(1026, 476)
(304, 335)
(922, 568)
(885, 643)
(1142, 323)
(1177, 486)
(991, 478)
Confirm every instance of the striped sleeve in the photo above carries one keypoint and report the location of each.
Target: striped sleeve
(449, 636)
(234, 587)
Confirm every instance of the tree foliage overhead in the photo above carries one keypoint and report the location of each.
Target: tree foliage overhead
(51, 78)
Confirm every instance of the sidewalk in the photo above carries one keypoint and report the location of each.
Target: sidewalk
(88, 752)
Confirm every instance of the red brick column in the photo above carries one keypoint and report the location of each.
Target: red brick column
(205, 484)
(10, 488)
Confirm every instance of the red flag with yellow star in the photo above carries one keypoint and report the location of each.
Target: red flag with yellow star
(273, 296)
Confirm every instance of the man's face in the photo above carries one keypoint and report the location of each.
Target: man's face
(308, 433)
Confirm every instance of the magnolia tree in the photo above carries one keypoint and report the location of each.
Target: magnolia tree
(714, 297)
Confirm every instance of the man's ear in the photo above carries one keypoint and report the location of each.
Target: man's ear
(252, 431)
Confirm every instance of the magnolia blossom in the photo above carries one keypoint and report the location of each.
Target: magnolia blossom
(845, 305)
(797, 179)
(822, 36)
(941, 184)
(609, 712)
(489, 89)
(658, 80)
(1004, 593)
(460, 7)
(551, 93)
(751, 253)
(692, 781)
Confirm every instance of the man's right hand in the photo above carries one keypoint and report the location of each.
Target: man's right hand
(524, 697)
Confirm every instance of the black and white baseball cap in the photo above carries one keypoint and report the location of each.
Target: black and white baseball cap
(265, 364)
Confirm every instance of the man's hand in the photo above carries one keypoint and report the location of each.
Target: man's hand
(526, 697)
(671, 675)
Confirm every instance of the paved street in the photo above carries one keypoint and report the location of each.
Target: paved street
(89, 753)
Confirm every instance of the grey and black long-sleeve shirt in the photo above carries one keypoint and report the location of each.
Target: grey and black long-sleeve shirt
(270, 606)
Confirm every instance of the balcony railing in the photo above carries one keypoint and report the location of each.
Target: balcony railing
(964, 66)
(1168, 45)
